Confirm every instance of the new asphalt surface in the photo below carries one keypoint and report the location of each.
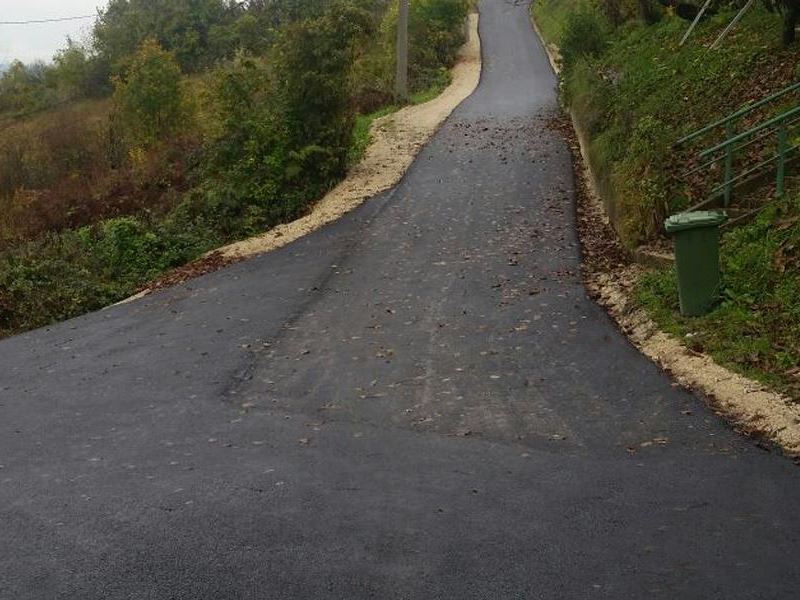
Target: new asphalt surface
(418, 401)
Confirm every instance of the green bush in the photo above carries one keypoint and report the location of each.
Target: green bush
(64, 275)
(148, 99)
(49, 280)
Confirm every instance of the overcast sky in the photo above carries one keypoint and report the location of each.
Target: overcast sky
(40, 42)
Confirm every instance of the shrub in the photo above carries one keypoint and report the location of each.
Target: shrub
(49, 280)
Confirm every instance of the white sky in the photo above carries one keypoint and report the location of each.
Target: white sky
(41, 41)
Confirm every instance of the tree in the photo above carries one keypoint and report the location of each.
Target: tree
(791, 17)
(76, 73)
(21, 86)
(312, 61)
(790, 9)
(181, 26)
(401, 78)
(148, 100)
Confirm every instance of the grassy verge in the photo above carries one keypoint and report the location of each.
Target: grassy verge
(363, 122)
(634, 91)
(361, 133)
(551, 18)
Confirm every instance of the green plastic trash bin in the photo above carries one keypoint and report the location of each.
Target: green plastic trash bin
(696, 237)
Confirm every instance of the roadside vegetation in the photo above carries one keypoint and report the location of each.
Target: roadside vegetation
(635, 91)
(184, 125)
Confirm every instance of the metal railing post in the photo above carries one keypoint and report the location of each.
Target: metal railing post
(782, 140)
(729, 165)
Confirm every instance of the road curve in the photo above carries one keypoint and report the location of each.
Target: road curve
(417, 401)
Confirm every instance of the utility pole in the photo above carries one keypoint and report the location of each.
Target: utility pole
(401, 82)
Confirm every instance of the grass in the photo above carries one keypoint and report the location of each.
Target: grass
(363, 122)
(361, 133)
(551, 17)
(643, 92)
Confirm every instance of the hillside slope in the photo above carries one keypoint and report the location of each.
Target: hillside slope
(634, 91)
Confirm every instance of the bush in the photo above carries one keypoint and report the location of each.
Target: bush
(49, 280)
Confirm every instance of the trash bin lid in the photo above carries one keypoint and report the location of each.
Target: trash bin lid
(695, 220)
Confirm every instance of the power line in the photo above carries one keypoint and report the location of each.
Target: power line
(39, 21)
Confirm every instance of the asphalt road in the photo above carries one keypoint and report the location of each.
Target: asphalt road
(418, 401)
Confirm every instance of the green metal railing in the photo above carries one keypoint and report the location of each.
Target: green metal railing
(725, 153)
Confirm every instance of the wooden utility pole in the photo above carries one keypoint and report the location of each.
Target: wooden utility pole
(791, 16)
(401, 82)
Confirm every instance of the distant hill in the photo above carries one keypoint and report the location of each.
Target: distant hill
(4, 66)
